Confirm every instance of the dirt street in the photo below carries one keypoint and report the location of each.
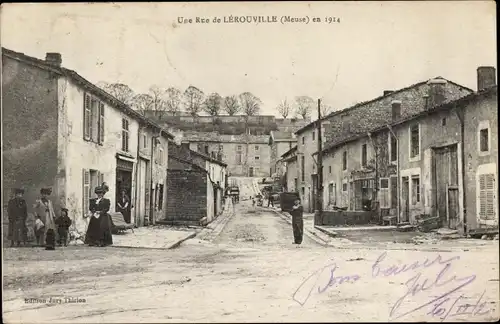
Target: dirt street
(251, 273)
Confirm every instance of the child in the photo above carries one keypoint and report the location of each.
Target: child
(50, 240)
(63, 223)
(39, 229)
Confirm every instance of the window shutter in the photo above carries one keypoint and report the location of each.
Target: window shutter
(100, 178)
(487, 196)
(86, 117)
(101, 122)
(86, 190)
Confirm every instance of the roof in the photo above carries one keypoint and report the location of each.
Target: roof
(338, 112)
(289, 152)
(280, 136)
(89, 86)
(208, 158)
(443, 107)
(180, 151)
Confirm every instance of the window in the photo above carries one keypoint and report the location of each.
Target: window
(329, 169)
(303, 139)
(396, 110)
(238, 148)
(90, 180)
(198, 147)
(332, 197)
(314, 135)
(363, 155)
(415, 189)
(414, 141)
(344, 186)
(256, 147)
(206, 149)
(257, 158)
(238, 157)
(486, 194)
(344, 160)
(384, 193)
(393, 148)
(160, 197)
(144, 140)
(93, 119)
(303, 193)
(443, 122)
(160, 156)
(484, 140)
(125, 135)
(394, 191)
(302, 168)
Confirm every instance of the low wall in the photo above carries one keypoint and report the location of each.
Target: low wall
(334, 218)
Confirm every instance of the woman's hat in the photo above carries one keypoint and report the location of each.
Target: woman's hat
(18, 191)
(99, 189)
(64, 209)
(46, 191)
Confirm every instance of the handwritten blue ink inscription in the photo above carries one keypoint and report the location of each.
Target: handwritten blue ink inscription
(441, 280)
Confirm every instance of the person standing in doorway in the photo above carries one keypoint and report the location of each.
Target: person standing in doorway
(44, 208)
(297, 221)
(18, 213)
(270, 200)
(124, 206)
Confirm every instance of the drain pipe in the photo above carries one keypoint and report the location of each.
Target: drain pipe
(154, 143)
(397, 172)
(376, 176)
(460, 114)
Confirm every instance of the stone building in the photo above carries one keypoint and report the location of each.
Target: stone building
(196, 184)
(439, 162)
(361, 118)
(62, 131)
(280, 142)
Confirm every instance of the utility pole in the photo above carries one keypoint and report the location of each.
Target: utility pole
(319, 197)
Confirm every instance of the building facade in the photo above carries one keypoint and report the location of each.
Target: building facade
(279, 143)
(196, 185)
(289, 160)
(361, 118)
(79, 137)
(440, 162)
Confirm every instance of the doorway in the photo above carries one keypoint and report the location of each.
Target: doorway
(405, 200)
(445, 180)
(250, 172)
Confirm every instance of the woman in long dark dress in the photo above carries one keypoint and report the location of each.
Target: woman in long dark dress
(124, 206)
(99, 229)
(17, 211)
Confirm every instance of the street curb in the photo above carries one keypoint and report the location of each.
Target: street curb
(326, 232)
(172, 246)
(211, 233)
(307, 232)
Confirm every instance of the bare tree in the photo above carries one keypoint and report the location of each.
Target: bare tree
(142, 102)
(325, 109)
(193, 100)
(173, 100)
(284, 109)
(304, 106)
(212, 104)
(231, 105)
(120, 91)
(250, 103)
(158, 95)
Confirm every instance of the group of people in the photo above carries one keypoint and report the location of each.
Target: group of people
(46, 224)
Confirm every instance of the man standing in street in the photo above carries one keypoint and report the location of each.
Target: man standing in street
(17, 211)
(297, 221)
(270, 200)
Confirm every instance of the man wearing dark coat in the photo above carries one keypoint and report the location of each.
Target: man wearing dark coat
(297, 221)
(18, 213)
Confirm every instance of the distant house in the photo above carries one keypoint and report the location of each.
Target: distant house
(62, 131)
(439, 162)
(289, 160)
(195, 186)
(279, 143)
(360, 119)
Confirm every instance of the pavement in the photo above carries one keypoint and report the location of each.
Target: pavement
(153, 237)
(251, 273)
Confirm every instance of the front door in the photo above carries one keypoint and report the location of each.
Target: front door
(405, 200)
(446, 184)
(250, 172)
(314, 191)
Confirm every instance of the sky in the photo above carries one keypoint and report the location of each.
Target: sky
(375, 46)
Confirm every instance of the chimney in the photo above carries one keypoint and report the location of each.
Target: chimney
(437, 94)
(486, 77)
(53, 59)
(396, 109)
(388, 92)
